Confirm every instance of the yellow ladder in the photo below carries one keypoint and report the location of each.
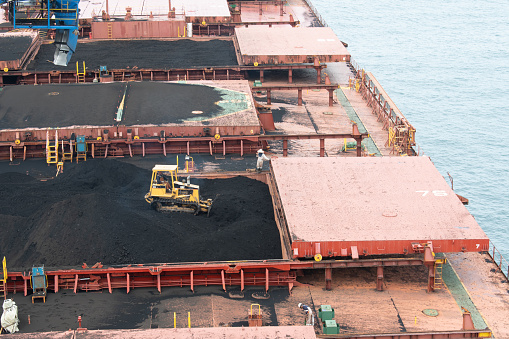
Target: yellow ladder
(110, 30)
(439, 282)
(67, 155)
(51, 149)
(42, 34)
(81, 75)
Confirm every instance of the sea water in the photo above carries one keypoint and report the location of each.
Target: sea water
(445, 63)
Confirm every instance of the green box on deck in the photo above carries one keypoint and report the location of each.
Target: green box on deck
(326, 312)
(330, 327)
(257, 83)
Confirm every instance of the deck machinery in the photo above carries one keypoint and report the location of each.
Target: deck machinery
(61, 15)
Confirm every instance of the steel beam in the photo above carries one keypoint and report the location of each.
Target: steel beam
(306, 249)
(328, 278)
(238, 144)
(312, 136)
(29, 77)
(486, 333)
(329, 87)
(259, 23)
(380, 278)
(260, 273)
(290, 87)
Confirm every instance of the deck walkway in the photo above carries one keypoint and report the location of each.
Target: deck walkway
(487, 289)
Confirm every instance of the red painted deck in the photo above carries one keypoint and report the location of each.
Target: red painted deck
(375, 206)
(295, 332)
(283, 44)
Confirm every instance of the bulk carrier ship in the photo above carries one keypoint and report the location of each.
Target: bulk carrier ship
(347, 217)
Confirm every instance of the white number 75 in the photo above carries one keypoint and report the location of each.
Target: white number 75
(437, 193)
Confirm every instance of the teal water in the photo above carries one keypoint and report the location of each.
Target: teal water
(445, 63)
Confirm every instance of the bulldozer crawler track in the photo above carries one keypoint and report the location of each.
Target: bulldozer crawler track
(175, 205)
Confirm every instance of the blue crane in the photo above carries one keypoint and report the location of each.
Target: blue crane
(61, 15)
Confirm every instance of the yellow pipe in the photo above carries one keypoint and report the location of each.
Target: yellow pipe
(174, 320)
(4, 267)
(189, 319)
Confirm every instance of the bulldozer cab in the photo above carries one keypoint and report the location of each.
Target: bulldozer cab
(163, 178)
(165, 183)
(167, 193)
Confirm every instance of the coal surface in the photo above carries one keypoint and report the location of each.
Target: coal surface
(59, 105)
(96, 104)
(162, 103)
(142, 54)
(95, 212)
(13, 48)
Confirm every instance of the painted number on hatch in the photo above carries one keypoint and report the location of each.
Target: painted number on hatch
(435, 193)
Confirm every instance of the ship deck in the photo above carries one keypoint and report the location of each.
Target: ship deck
(397, 309)
(143, 8)
(287, 45)
(371, 206)
(386, 292)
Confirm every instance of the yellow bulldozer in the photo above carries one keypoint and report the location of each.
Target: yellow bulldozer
(168, 194)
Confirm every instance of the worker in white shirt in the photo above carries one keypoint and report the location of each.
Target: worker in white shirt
(309, 316)
(261, 157)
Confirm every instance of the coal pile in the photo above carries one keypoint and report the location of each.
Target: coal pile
(95, 212)
(13, 47)
(140, 54)
(59, 105)
(163, 103)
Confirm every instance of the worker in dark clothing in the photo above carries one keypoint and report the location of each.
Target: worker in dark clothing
(309, 317)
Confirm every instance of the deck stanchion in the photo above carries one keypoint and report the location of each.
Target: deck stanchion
(222, 280)
(242, 280)
(108, 278)
(266, 279)
(76, 284)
